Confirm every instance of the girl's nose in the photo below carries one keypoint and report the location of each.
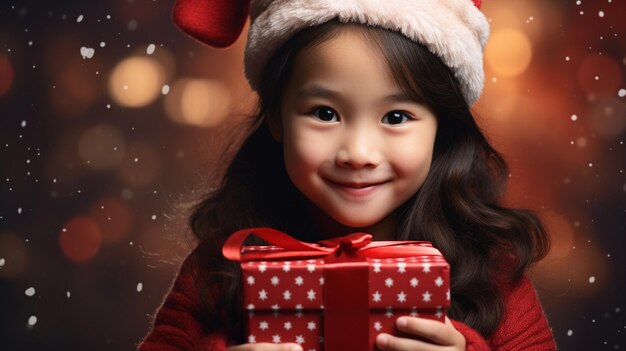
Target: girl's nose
(358, 149)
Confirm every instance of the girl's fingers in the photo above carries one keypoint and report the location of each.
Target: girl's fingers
(435, 331)
(388, 342)
(266, 347)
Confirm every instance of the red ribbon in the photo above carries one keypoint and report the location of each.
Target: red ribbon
(346, 302)
(359, 244)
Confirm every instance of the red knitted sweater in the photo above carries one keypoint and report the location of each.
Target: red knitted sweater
(177, 324)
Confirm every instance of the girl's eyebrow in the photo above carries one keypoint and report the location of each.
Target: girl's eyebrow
(322, 92)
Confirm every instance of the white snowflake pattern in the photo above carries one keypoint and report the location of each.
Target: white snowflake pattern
(287, 325)
(376, 266)
(401, 297)
(389, 282)
(439, 281)
(299, 281)
(426, 297)
(401, 267)
(310, 295)
(322, 281)
(251, 339)
(378, 326)
(250, 307)
(300, 339)
(275, 280)
(439, 313)
(286, 267)
(310, 267)
(262, 267)
(264, 325)
(426, 268)
(389, 312)
(414, 311)
(276, 339)
(448, 294)
(376, 297)
(414, 282)
(263, 295)
(287, 295)
(311, 326)
(275, 307)
(250, 280)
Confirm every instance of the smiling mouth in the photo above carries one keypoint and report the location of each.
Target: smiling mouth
(356, 189)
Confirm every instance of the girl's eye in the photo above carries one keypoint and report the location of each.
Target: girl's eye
(325, 114)
(396, 117)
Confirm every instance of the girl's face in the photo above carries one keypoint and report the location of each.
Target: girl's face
(354, 143)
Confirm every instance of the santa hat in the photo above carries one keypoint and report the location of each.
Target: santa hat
(454, 30)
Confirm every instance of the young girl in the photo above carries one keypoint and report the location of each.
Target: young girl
(363, 125)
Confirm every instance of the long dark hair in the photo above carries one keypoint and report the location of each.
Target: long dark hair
(458, 208)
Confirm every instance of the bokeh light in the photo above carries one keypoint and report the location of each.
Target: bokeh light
(73, 91)
(136, 81)
(13, 255)
(80, 239)
(6, 75)
(141, 166)
(101, 147)
(508, 52)
(599, 75)
(113, 217)
(198, 102)
(608, 117)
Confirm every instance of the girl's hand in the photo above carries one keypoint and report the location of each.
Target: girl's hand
(440, 336)
(262, 346)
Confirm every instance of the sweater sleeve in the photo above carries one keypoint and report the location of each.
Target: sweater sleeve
(177, 325)
(524, 325)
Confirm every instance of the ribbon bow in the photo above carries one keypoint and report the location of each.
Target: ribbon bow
(287, 247)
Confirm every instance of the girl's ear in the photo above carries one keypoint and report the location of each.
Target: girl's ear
(276, 128)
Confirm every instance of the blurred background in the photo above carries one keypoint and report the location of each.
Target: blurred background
(112, 122)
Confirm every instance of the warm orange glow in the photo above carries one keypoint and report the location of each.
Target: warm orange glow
(101, 147)
(508, 52)
(114, 218)
(561, 233)
(609, 117)
(13, 255)
(80, 239)
(198, 102)
(6, 75)
(136, 81)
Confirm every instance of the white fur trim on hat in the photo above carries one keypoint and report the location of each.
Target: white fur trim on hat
(454, 30)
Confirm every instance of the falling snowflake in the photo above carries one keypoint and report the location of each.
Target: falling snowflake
(139, 287)
(150, 49)
(32, 320)
(30, 291)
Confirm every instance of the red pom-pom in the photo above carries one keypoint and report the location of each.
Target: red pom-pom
(477, 3)
(218, 23)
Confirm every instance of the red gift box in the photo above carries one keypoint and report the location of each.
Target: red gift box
(339, 294)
